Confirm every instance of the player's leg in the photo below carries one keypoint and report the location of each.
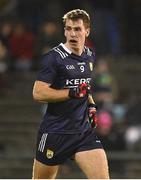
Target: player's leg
(42, 171)
(51, 151)
(93, 163)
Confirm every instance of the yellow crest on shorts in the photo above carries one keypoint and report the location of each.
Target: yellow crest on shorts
(91, 66)
(49, 154)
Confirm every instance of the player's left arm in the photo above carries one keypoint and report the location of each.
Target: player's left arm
(90, 99)
(92, 107)
(91, 104)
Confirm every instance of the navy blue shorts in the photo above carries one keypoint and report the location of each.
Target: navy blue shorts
(54, 149)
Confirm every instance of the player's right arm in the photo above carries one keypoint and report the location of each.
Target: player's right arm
(42, 92)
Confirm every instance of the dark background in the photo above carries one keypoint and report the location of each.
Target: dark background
(116, 39)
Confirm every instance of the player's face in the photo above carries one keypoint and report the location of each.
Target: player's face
(76, 33)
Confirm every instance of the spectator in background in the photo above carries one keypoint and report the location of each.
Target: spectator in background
(108, 131)
(8, 8)
(112, 135)
(48, 37)
(105, 91)
(133, 124)
(3, 67)
(89, 42)
(107, 37)
(133, 24)
(22, 47)
(103, 85)
(5, 32)
(3, 58)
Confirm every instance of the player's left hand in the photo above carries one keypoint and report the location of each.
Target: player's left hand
(92, 115)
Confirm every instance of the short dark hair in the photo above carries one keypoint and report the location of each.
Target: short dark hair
(77, 14)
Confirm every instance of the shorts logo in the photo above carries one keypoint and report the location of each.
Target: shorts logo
(91, 66)
(49, 154)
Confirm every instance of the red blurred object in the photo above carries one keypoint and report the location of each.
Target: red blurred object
(22, 43)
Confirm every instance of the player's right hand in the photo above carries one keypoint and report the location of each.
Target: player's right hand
(80, 91)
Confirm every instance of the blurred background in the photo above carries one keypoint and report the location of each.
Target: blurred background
(29, 28)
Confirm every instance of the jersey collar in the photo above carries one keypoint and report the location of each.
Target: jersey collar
(70, 52)
(65, 48)
(83, 55)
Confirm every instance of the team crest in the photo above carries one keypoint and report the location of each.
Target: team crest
(91, 66)
(49, 154)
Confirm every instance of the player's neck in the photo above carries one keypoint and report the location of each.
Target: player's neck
(77, 51)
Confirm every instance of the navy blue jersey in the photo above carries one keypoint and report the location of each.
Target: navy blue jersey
(63, 69)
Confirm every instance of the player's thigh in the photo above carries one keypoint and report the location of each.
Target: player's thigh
(42, 171)
(93, 163)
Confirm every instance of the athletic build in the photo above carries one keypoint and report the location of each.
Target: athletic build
(63, 82)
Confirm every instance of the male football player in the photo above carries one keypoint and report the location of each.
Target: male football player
(67, 126)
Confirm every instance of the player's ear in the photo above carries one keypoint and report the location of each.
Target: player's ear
(64, 32)
(87, 32)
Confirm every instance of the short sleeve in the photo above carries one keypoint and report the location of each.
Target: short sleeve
(48, 69)
(94, 56)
